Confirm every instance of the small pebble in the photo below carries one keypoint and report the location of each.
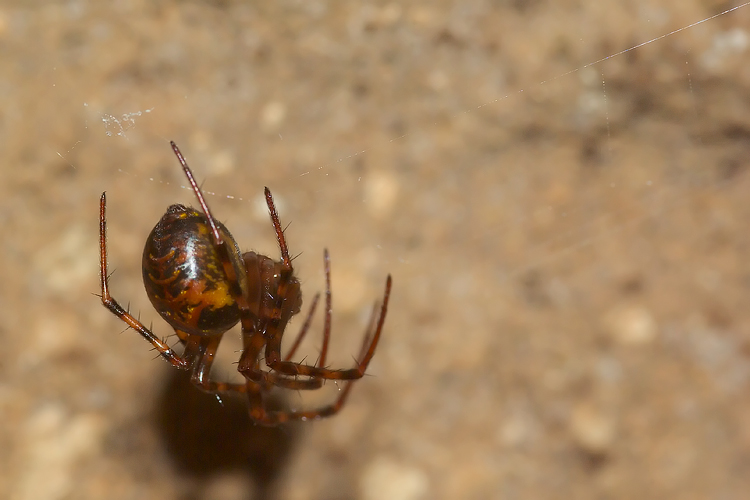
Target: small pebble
(631, 325)
(381, 191)
(272, 116)
(514, 432)
(592, 430)
(385, 478)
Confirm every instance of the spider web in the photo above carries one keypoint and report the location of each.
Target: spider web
(723, 47)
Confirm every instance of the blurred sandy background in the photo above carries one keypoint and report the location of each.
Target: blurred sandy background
(568, 241)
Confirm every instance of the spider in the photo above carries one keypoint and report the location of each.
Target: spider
(201, 285)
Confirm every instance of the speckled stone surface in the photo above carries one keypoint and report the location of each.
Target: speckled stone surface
(568, 241)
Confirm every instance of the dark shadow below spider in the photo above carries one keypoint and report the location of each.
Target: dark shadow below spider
(200, 283)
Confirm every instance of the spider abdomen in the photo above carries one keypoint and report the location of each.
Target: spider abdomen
(184, 276)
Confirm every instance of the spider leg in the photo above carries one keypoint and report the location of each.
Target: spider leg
(279, 231)
(273, 347)
(267, 380)
(203, 349)
(329, 310)
(199, 351)
(115, 308)
(272, 325)
(276, 338)
(303, 330)
(368, 333)
(261, 416)
(263, 327)
(270, 418)
(249, 319)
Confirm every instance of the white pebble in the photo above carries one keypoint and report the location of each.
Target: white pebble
(385, 478)
(631, 325)
(592, 429)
